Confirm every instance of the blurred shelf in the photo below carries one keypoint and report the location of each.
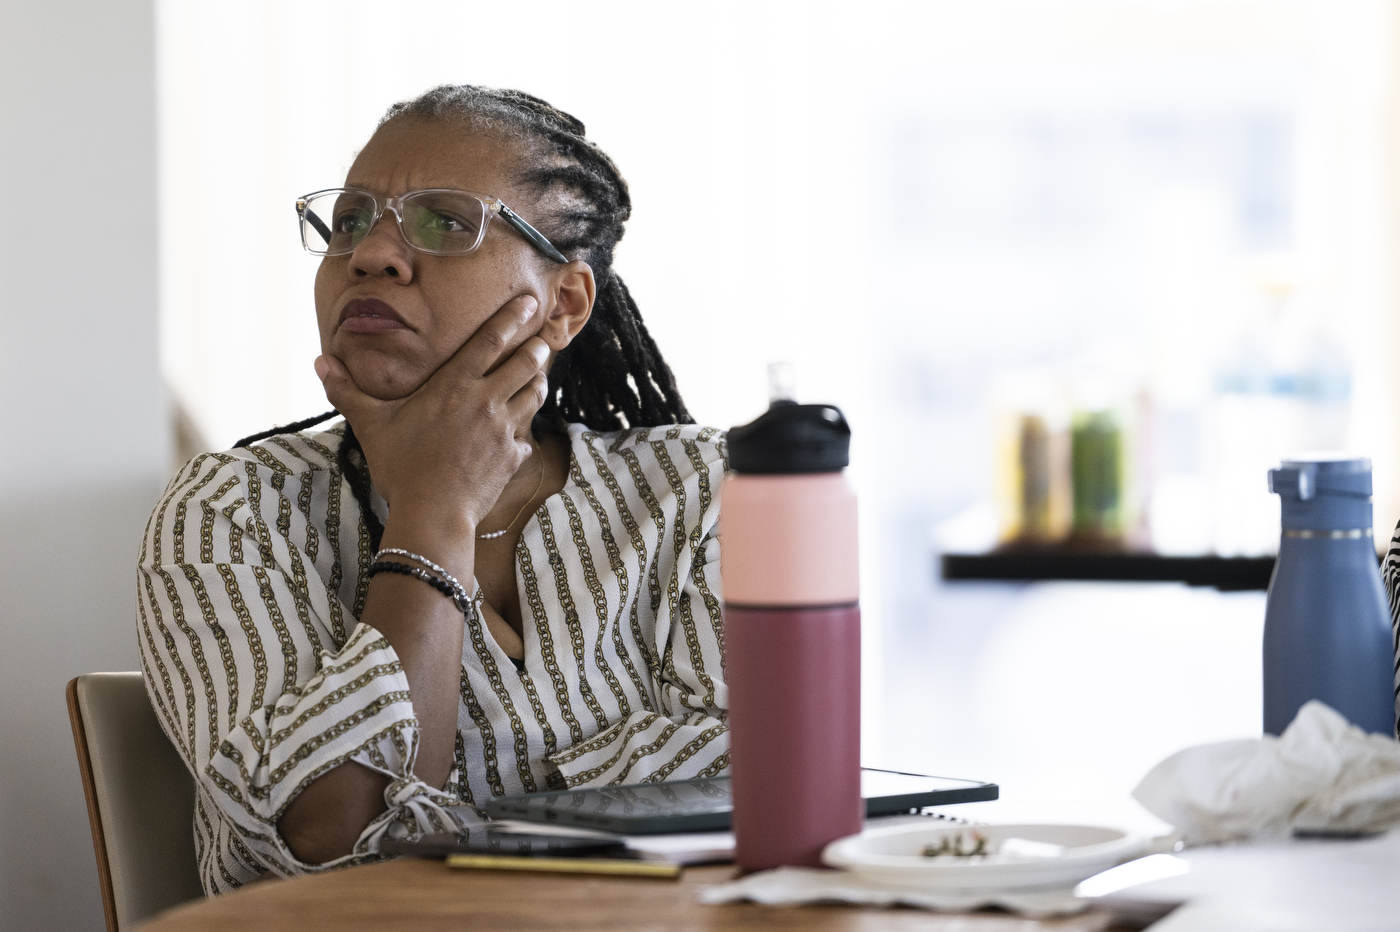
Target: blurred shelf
(1224, 573)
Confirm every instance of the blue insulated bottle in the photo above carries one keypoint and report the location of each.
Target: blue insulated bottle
(1326, 624)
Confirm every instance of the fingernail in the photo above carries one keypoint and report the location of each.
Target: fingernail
(322, 367)
(530, 305)
(541, 352)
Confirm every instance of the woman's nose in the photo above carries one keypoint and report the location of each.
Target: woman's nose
(383, 251)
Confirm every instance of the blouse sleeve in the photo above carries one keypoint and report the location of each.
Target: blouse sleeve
(688, 735)
(254, 678)
(1390, 575)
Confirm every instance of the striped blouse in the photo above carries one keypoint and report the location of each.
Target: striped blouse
(252, 577)
(1390, 580)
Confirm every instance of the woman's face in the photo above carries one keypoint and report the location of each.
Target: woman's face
(393, 315)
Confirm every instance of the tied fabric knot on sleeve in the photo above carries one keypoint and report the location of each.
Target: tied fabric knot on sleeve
(252, 576)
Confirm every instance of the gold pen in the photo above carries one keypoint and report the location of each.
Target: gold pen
(665, 870)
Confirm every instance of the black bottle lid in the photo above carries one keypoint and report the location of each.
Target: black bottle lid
(791, 438)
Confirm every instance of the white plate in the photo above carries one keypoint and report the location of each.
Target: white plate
(894, 856)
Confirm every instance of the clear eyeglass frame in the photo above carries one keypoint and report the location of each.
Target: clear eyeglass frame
(309, 222)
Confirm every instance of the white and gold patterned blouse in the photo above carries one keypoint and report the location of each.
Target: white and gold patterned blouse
(253, 573)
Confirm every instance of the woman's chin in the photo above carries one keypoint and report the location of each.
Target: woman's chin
(386, 383)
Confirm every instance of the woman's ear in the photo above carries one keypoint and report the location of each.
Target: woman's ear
(573, 292)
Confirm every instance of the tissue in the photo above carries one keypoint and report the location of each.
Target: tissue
(1321, 775)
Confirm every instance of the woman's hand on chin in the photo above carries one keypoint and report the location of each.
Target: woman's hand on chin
(459, 438)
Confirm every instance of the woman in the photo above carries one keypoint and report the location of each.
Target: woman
(509, 423)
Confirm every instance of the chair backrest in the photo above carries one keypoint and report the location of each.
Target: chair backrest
(140, 799)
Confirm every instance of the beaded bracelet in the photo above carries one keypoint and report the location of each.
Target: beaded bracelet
(441, 585)
(459, 594)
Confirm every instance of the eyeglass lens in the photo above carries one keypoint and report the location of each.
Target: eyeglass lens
(443, 222)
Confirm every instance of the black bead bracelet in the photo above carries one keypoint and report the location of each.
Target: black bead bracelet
(389, 566)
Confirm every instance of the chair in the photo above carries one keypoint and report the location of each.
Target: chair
(140, 799)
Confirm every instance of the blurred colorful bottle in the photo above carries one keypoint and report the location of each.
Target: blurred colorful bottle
(1035, 474)
(788, 557)
(1032, 484)
(1097, 473)
(1327, 632)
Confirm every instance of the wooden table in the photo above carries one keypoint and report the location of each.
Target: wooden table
(418, 895)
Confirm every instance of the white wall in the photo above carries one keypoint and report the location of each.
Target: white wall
(82, 426)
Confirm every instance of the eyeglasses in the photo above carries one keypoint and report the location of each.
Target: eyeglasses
(437, 221)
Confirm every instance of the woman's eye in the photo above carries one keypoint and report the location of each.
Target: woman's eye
(440, 222)
(349, 224)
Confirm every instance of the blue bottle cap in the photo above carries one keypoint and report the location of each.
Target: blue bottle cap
(1324, 491)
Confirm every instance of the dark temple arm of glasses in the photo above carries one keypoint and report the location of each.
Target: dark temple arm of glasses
(316, 222)
(533, 235)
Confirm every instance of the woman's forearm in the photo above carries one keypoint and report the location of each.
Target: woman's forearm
(425, 629)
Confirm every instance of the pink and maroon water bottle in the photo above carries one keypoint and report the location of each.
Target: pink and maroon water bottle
(788, 558)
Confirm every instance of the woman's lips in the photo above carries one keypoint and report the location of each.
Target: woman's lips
(370, 315)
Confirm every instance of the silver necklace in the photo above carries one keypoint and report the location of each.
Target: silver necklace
(538, 485)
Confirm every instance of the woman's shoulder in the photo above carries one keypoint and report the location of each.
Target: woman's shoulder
(247, 483)
(688, 448)
(301, 456)
(291, 453)
(296, 452)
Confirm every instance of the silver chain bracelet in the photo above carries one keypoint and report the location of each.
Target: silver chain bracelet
(464, 602)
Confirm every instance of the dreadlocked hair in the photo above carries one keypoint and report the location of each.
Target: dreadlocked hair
(286, 428)
(612, 375)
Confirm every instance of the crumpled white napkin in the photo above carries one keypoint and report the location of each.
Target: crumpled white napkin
(1321, 775)
(794, 886)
